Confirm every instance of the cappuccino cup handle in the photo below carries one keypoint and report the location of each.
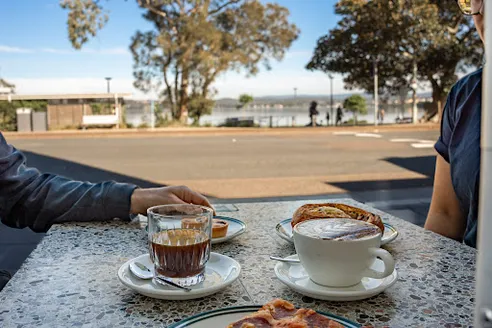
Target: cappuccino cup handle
(389, 264)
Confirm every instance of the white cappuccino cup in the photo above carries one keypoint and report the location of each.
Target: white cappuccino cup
(340, 252)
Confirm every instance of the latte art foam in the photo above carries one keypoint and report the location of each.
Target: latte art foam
(337, 229)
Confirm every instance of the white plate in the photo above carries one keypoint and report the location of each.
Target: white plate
(223, 317)
(284, 230)
(220, 272)
(236, 228)
(294, 276)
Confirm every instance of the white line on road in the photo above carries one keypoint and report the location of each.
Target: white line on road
(412, 140)
(404, 140)
(344, 133)
(368, 135)
(422, 145)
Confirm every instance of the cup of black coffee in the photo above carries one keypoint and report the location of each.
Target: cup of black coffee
(179, 242)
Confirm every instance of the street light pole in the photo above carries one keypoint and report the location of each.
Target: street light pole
(108, 79)
(331, 97)
(376, 95)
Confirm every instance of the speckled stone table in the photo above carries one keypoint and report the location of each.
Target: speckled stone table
(70, 279)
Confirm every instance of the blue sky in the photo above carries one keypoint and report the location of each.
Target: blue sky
(36, 55)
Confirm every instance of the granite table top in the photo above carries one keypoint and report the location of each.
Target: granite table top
(70, 279)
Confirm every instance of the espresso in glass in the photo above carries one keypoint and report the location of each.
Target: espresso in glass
(180, 253)
(179, 242)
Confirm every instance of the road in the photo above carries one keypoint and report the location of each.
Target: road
(243, 165)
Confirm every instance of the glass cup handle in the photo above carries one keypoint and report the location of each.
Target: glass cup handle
(389, 264)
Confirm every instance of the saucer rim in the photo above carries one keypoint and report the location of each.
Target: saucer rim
(179, 294)
(387, 282)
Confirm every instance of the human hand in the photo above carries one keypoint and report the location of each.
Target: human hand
(142, 199)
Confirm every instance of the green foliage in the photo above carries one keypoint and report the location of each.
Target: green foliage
(101, 108)
(199, 106)
(192, 42)
(244, 99)
(8, 115)
(356, 104)
(432, 34)
(85, 18)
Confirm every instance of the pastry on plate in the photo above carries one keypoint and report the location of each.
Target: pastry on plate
(219, 228)
(282, 314)
(194, 223)
(334, 210)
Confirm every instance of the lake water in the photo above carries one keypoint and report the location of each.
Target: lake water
(280, 117)
(285, 117)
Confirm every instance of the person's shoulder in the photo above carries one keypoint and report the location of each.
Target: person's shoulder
(469, 80)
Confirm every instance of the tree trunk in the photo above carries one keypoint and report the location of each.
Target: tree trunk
(438, 100)
(183, 95)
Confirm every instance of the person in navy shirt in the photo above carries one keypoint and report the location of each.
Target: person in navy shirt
(454, 208)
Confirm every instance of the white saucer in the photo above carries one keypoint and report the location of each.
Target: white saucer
(294, 276)
(284, 231)
(220, 272)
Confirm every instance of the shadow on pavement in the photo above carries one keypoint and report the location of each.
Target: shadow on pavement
(424, 165)
(82, 172)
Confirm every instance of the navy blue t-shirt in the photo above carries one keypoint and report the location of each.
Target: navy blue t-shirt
(459, 145)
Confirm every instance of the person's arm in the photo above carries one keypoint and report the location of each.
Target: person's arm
(445, 216)
(31, 199)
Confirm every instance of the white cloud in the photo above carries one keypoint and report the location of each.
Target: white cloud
(73, 85)
(9, 49)
(279, 82)
(231, 85)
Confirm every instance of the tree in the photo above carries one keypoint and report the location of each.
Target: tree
(398, 35)
(355, 104)
(199, 106)
(244, 99)
(193, 41)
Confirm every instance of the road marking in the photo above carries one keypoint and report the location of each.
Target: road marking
(344, 133)
(422, 145)
(404, 140)
(368, 135)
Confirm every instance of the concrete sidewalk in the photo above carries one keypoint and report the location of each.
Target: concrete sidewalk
(408, 204)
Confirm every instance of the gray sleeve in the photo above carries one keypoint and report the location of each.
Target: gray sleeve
(31, 199)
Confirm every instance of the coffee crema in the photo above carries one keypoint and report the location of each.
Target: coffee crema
(337, 229)
(180, 253)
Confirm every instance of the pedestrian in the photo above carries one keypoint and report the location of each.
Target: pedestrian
(455, 200)
(339, 115)
(313, 112)
(31, 199)
(327, 118)
(381, 115)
